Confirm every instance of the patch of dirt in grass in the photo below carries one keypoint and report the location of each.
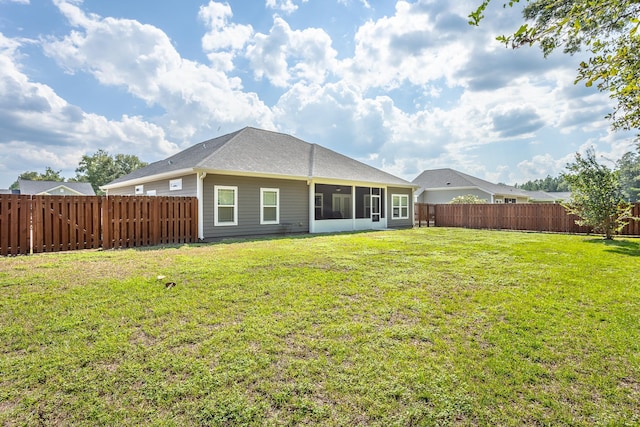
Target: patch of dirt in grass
(141, 338)
(630, 384)
(7, 406)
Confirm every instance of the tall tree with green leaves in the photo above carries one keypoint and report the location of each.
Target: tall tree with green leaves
(547, 184)
(608, 30)
(629, 169)
(48, 175)
(101, 168)
(596, 195)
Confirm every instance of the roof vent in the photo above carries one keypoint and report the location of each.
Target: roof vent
(169, 161)
(448, 183)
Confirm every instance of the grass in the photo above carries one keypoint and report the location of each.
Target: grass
(412, 327)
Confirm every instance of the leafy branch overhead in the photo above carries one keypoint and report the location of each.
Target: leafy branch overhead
(608, 30)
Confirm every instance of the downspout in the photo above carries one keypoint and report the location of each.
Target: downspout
(200, 196)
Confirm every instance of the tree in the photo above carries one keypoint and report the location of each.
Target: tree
(607, 29)
(547, 184)
(48, 175)
(102, 168)
(629, 169)
(467, 199)
(596, 195)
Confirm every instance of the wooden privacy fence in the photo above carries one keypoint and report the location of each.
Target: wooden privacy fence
(64, 223)
(526, 217)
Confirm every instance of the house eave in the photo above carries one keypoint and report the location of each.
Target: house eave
(189, 171)
(145, 179)
(316, 179)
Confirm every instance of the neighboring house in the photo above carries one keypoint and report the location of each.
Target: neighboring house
(55, 188)
(254, 182)
(439, 186)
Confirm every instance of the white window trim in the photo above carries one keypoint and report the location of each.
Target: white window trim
(393, 206)
(139, 190)
(262, 206)
(215, 205)
(175, 184)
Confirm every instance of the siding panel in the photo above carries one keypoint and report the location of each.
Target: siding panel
(294, 206)
(399, 223)
(161, 187)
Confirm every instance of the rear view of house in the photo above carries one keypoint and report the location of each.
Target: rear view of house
(254, 182)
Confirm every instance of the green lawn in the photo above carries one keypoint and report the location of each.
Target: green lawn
(428, 326)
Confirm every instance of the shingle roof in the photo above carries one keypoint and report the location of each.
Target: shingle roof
(449, 178)
(39, 187)
(258, 151)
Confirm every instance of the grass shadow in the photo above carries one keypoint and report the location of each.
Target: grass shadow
(622, 247)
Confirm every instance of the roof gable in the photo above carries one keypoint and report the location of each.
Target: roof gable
(53, 187)
(262, 152)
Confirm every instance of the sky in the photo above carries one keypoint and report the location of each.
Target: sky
(403, 86)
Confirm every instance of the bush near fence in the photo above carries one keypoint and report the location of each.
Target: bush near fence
(524, 217)
(63, 223)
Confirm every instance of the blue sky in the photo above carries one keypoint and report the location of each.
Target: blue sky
(404, 86)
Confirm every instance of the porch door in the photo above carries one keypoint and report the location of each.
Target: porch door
(342, 203)
(375, 208)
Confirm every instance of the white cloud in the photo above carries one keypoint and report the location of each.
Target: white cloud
(41, 129)
(284, 55)
(141, 58)
(408, 47)
(539, 166)
(223, 40)
(287, 6)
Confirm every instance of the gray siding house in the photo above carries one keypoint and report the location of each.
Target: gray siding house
(254, 182)
(439, 186)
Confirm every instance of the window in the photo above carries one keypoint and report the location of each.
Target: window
(175, 184)
(225, 201)
(139, 189)
(399, 206)
(508, 200)
(151, 193)
(269, 206)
